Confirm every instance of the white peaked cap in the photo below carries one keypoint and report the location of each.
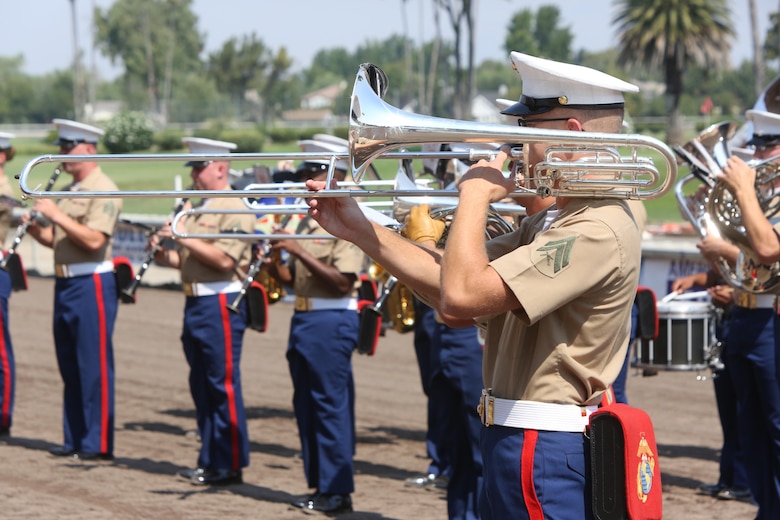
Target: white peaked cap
(550, 84)
(207, 146)
(68, 130)
(5, 140)
(765, 124)
(325, 146)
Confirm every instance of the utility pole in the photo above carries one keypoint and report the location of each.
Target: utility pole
(78, 104)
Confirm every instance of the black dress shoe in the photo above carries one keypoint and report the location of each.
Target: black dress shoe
(89, 456)
(189, 473)
(734, 493)
(5, 432)
(420, 481)
(325, 503)
(60, 451)
(217, 477)
(712, 489)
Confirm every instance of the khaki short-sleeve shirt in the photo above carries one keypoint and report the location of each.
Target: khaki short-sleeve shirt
(344, 256)
(6, 212)
(192, 269)
(576, 283)
(98, 214)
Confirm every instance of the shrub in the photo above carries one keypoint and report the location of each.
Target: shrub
(128, 132)
(167, 140)
(285, 135)
(247, 141)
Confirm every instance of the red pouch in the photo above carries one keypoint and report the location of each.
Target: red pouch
(626, 477)
(123, 271)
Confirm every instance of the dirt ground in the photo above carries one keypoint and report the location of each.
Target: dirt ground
(155, 419)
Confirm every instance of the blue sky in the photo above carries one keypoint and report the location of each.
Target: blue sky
(41, 30)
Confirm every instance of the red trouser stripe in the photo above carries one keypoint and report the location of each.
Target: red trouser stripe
(103, 363)
(5, 412)
(527, 475)
(229, 390)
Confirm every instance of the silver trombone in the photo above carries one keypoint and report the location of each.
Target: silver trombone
(377, 128)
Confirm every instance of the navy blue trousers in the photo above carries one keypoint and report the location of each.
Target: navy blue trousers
(457, 389)
(751, 357)
(535, 474)
(429, 363)
(212, 337)
(85, 310)
(7, 363)
(319, 354)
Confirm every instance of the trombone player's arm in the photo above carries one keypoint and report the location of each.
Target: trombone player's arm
(741, 179)
(470, 286)
(416, 266)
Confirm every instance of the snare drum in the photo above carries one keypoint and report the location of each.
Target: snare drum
(685, 333)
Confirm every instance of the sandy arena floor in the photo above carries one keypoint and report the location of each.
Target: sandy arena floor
(155, 420)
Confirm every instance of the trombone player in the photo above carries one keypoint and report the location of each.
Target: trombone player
(211, 336)
(757, 370)
(557, 307)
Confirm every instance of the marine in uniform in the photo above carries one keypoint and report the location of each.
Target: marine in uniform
(85, 296)
(732, 481)
(212, 336)
(324, 274)
(752, 354)
(557, 309)
(7, 363)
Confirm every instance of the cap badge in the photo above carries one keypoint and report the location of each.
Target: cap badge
(563, 100)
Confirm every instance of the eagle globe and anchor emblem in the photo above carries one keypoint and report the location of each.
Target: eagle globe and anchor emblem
(645, 469)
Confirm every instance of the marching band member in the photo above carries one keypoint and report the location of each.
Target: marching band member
(211, 336)
(7, 364)
(557, 308)
(754, 356)
(85, 296)
(324, 274)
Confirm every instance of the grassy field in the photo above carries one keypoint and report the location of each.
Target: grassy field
(161, 175)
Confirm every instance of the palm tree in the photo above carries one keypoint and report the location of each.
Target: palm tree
(673, 34)
(758, 59)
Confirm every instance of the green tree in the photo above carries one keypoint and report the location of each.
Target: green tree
(539, 34)
(155, 40)
(461, 17)
(240, 69)
(672, 34)
(33, 99)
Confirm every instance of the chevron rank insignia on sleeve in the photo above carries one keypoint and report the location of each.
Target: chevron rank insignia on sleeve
(554, 256)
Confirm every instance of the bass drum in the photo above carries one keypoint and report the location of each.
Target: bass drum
(686, 333)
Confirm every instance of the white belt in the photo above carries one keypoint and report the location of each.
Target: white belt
(83, 269)
(303, 304)
(211, 288)
(533, 415)
(755, 301)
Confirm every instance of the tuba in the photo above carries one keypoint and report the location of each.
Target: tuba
(714, 211)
